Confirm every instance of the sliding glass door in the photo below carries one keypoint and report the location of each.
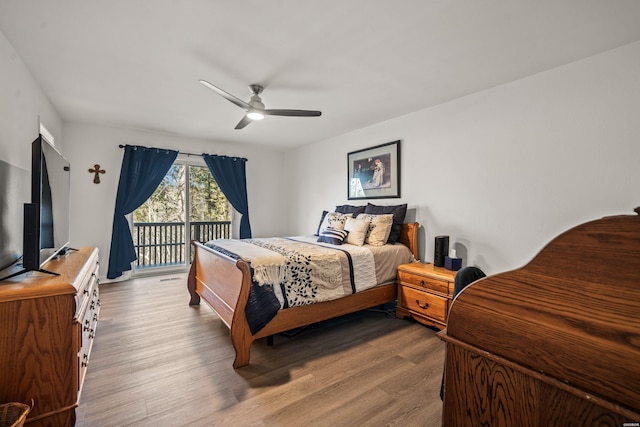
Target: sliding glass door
(187, 205)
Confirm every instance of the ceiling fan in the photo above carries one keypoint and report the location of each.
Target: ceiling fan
(255, 108)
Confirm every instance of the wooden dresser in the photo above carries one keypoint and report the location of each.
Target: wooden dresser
(47, 326)
(424, 293)
(554, 343)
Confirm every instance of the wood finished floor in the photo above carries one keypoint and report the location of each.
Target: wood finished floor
(158, 362)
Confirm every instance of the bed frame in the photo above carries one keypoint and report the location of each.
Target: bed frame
(224, 284)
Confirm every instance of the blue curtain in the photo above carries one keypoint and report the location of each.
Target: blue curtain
(231, 176)
(142, 171)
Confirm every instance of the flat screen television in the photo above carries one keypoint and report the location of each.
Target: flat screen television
(46, 218)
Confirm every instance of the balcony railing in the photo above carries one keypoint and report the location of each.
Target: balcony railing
(164, 244)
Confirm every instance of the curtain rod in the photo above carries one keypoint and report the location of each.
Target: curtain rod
(187, 154)
(179, 152)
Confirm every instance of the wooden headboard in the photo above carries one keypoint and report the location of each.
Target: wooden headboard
(409, 237)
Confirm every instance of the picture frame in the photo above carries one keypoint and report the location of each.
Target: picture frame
(374, 172)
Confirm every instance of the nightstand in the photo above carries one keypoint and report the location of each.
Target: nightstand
(424, 293)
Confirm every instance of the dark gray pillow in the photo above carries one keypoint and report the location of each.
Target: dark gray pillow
(398, 211)
(355, 210)
(324, 213)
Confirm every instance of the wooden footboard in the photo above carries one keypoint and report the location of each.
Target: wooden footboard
(224, 284)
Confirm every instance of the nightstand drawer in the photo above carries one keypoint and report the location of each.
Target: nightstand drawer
(423, 303)
(436, 285)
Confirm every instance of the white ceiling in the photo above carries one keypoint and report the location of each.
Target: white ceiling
(136, 63)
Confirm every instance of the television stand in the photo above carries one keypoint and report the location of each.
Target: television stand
(62, 252)
(47, 332)
(41, 270)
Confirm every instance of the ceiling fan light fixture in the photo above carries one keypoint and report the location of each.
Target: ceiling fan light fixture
(255, 109)
(255, 115)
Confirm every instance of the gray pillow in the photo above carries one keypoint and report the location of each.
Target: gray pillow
(324, 213)
(355, 210)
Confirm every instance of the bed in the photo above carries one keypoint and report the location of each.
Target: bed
(225, 283)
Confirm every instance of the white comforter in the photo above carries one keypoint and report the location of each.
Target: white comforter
(304, 271)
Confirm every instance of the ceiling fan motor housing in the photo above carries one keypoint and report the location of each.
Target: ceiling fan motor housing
(256, 89)
(256, 102)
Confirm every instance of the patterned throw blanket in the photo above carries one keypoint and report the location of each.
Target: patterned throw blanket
(305, 272)
(315, 272)
(299, 271)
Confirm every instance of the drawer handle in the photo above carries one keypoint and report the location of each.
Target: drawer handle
(426, 304)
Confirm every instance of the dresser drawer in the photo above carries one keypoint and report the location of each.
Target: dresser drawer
(88, 328)
(423, 303)
(436, 285)
(90, 319)
(87, 315)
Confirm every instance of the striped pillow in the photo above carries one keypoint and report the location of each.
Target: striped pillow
(332, 235)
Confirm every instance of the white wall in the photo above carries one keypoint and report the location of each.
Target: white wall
(505, 170)
(92, 205)
(502, 171)
(22, 105)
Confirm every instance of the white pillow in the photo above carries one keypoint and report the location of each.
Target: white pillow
(334, 220)
(379, 228)
(357, 229)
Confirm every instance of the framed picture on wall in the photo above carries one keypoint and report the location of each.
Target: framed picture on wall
(374, 172)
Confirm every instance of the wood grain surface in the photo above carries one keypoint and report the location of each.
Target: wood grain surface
(569, 321)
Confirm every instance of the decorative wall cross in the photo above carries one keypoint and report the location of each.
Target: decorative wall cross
(96, 171)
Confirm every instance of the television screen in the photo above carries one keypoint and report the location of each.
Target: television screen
(50, 190)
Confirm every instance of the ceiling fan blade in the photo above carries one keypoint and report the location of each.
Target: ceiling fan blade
(243, 123)
(297, 113)
(239, 102)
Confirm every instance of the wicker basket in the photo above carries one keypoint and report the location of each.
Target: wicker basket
(13, 414)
